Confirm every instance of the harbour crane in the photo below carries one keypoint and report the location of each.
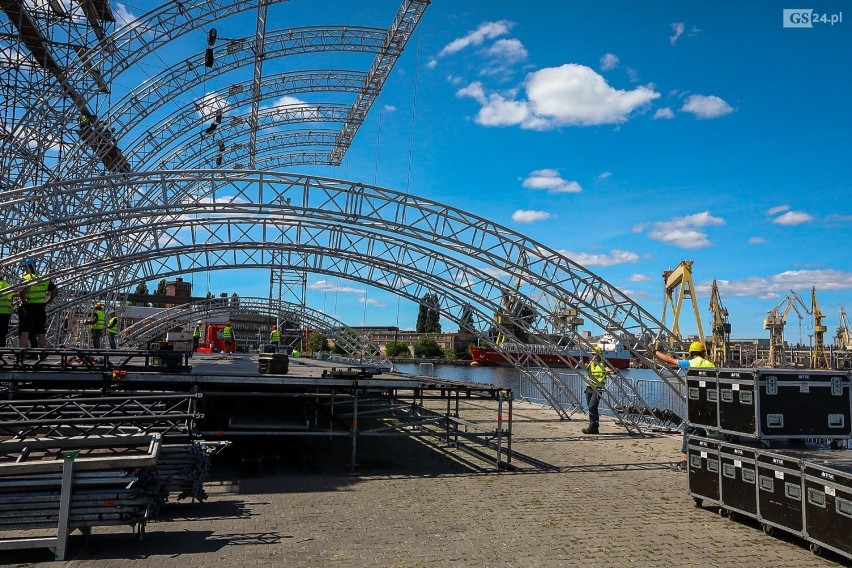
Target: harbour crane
(819, 358)
(844, 332)
(720, 352)
(775, 321)
(679, 286)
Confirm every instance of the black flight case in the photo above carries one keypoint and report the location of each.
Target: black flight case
(772, 404)
(703, 470)
(702, 398)
(738, 477)
(828, 503)
(779, 490)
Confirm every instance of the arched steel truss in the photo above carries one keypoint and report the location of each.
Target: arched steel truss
(115, 53)
(353, 343)
(186, 221)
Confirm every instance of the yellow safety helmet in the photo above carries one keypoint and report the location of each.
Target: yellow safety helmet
(98, 305)
(696, 347)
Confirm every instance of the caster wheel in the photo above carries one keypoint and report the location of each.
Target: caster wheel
(724, 513)
(815, 548)
(768, 529)
(732, 516)
(697, 502)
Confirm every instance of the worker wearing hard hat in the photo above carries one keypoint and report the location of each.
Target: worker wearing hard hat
(696, 359)
(112, 330)
(196, 335)
(97, 320)
(34, 298)
(595, 381)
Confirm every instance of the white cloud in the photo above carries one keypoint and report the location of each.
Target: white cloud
(778, 209)
(209, 105)
(123, 16)
(609, 61)
(684, 232)
(638, 278)
(756, 241)
(793, 218)
(780, 284)
(664, 112)
(677, 27)
(485, 31)
(569, 95)
(706, 106)
(529, 216)
(371, 302)
(550, 180)
(507, 51)
(603, 175)
(326, 286)
(614, 257)
(390, 108)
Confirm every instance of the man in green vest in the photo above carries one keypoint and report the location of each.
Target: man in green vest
(34, 298)
(228, 336)
(5, 311)
(696, 359)
(275, 337)
(196, 335)
(595, 381)
(112, 330)
(97, 321)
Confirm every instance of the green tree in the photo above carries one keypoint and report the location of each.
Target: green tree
(160, 291)
(142, 290)
(397, 349)
(428, 347)
(428, 316)
(317, 342)
(466, 320)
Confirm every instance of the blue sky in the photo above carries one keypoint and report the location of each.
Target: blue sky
(629, 135)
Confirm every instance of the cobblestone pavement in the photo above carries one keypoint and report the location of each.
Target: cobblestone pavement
(609, 500)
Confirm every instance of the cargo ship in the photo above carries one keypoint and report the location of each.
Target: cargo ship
(530, 354)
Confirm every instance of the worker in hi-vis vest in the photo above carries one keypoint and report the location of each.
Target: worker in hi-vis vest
(228, 336)
(112, 330)
(696, 359)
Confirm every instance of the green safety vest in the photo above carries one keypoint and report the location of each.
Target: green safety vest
(701, 362)
(275, 336)
(226, 332)
(112, 326)
(5, 299)
(197, 332)
(101, 317)
(597, 375)
(36, 293)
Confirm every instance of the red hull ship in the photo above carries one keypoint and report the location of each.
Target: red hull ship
(616, 356)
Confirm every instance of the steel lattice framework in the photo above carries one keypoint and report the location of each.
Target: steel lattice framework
(181, 222)
(353, 343)
(105, 194)
(63, 86)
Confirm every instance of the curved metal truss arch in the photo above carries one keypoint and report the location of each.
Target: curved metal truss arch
(117, 52)
(140, 333)
(185, 121)
(366, 224)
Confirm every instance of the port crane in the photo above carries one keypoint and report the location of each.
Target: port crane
(819, 358)
(844, 334)
(775, 321)
(720, 352)
(678, 287)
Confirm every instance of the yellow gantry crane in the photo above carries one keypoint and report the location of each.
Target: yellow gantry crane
(819, 358)
(679, 286)
(775, 321)
(844, 334)
(720, 352)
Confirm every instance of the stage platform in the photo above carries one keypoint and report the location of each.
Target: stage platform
(230, 399)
